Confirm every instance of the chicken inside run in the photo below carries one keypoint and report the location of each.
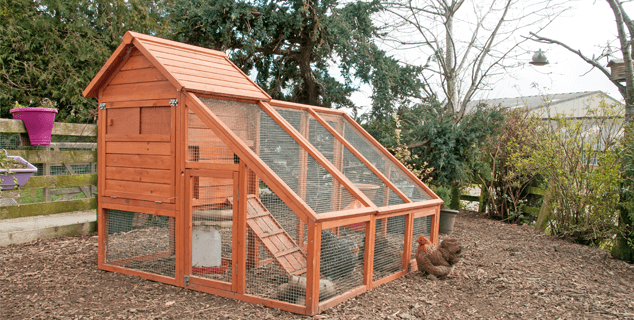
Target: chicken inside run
(207, 183)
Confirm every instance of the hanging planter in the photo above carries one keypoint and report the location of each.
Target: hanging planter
(14, 171)
(38, 122)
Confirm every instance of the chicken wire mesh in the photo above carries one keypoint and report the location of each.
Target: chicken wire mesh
(422, 226)
(140, 241)
(212, 229)
(291, 162)
(276, 248)
(341, 259)
(389, 241)
(203, 145)
(380, 161)
(339, 155)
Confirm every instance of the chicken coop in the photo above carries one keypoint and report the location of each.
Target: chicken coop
(207, 183)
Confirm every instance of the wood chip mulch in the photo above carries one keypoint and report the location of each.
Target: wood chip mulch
(508, 272)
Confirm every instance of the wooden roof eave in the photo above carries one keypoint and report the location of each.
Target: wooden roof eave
(118, 56)
(409, 206)
(273, 181)
(148, 54)
(201, 50)
(300, 106)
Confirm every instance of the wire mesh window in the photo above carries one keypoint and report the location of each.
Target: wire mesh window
(389, 240)
(292, 163)
(422, 227)
(140, 241)
(276, 248)
(381, 162)
(341, 259)
(343, 159)
(212, 228)
(203, 145)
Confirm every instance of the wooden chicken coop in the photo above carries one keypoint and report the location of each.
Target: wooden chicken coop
(207, 183)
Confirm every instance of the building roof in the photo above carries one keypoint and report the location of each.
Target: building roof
(187, 67)
(537, 101)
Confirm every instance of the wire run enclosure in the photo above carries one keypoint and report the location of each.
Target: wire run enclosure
(207, 183)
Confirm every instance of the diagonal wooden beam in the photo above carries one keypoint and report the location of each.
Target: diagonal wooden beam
(389, 156)
(357, 154)
(303, 142)
(303, 210)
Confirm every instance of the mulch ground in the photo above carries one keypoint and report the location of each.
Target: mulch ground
(508, 271)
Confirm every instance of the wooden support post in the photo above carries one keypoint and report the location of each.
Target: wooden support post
(303, 171)
(368, 264)
(181, 231)
(407, 243)
(435, 221)
(46, 170)
(312, 272)
(240, 231)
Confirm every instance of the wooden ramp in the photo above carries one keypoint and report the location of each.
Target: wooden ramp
(274, 238)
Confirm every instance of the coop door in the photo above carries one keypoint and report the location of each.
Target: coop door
(213, 212)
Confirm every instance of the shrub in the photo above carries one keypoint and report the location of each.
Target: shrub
(579, 162)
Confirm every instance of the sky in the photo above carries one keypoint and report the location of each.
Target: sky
(587, 26)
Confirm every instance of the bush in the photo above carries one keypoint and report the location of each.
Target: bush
(579, 162)
(505, 187)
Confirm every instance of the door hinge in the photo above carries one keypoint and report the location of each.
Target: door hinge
(186, 278)
(174, 102)
(102, 106)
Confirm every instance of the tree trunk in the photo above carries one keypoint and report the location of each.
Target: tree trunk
(450, 63)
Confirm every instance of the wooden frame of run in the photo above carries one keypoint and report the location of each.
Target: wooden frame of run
(140, 75)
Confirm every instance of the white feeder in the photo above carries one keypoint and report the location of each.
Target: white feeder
(206, 246)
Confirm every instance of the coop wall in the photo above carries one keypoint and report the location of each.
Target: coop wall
(139, 134)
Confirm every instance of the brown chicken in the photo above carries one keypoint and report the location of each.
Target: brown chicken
(437, 261)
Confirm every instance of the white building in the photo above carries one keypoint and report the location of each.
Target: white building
(573, 105)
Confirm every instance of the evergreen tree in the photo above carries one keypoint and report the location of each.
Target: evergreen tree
(292, 47)
(53, 48)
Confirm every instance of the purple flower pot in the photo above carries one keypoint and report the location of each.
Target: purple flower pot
(21, 175)
(38, 122)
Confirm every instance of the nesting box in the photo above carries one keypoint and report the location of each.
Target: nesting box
(207, 183)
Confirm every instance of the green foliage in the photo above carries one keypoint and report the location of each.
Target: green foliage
(579, 161)
(292, 45)
(436, 140)
(624, 247)
(444, 193)
(53, 48)
(503, 186)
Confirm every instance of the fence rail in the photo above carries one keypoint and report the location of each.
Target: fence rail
(542, 212)
(67, 178)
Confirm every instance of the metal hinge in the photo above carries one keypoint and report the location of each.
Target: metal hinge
(174, 102)
(159, 202)
(113, 197)
(186, 278)
(102, 106)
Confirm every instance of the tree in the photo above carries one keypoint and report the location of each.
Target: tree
(468, 44)
(52, 48)
(292, 46)
(624, 246)
(436, 140)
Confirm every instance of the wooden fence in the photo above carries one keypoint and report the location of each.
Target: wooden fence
(49, 192)
(542, 212)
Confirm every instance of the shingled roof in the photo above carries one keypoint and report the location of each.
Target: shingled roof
(187, 67)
